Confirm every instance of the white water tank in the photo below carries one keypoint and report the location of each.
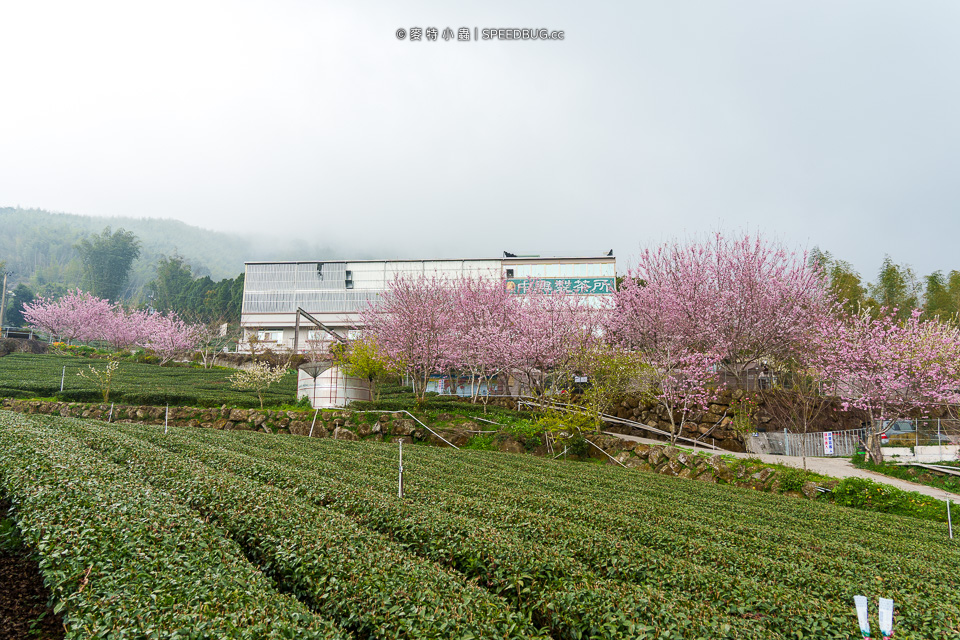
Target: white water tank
(331, 387)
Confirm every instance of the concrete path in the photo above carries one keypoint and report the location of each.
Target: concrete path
(834, 467)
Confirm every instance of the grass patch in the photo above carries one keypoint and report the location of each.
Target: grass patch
(912, 474)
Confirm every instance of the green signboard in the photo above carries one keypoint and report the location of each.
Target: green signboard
(583, 286)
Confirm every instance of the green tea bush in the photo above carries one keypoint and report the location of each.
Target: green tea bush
(572, 551)
(32, 375)
(76, 395)
(123, 560)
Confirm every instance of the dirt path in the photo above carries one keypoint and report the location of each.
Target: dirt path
(835, 467)
(23, 600)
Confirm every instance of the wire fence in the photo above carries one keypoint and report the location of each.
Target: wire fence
(825, 444)
(896, 433)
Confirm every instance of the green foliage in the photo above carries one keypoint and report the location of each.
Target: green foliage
(22, 296)
(364, 359)
(32, 375)
(911, 474)
(872, 496)
(176, 289)
(611, 373)
(106, 258)
(792, 479)
(481, 442)
(10, 538)
(942, 296)
(564, 423)
(123, 560)
(843, 280)
(41, 249)
(365, 583)
(578, 550)
(744, 412)
(896, 287)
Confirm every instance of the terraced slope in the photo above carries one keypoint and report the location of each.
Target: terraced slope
(483, 544)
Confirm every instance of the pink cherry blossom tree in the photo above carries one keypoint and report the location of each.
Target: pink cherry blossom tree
(123, 329)
(684, 383)
(551, 330)
(411, 321)
(167, 335)
(747, 300)
(889, 367)
(75, 316)
(482, 331)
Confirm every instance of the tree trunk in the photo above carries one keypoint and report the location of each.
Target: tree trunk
(872, 445)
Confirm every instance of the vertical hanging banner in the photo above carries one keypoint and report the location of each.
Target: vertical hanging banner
(862, 615)
(886, 618)
(828, 443)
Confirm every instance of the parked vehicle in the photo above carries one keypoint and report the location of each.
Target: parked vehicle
(903, 433)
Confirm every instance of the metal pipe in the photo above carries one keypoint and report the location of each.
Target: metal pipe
(63, 377)
(605, 453)
(412, 416)
(608, 418)
(949, 520)
(314, 419)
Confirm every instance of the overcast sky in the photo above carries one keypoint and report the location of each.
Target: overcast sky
(829, 123)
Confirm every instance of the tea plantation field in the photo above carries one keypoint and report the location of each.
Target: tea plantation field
(33, 375)
(212, 534)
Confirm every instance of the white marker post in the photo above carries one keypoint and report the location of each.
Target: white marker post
(400, 490)
(949, 521)
(63, 376)
(110, 417)
(886, 618)
(312, 424)
(166, 420)
(863, 616)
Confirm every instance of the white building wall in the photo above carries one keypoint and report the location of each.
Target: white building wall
(335, 292)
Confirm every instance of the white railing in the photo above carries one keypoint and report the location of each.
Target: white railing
(783, 443)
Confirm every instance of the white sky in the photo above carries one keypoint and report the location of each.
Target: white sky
(830, 123)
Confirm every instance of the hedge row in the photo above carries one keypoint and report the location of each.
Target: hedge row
(782, 608)
(820, 550)
(366, 583)
(31, 375)
(558, 590)
(122, 560)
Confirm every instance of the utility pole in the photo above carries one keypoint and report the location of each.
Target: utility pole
(3, 299)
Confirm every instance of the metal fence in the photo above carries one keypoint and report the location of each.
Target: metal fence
(782, 443)
(906, 433)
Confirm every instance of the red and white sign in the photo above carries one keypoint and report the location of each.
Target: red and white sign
(828, 443)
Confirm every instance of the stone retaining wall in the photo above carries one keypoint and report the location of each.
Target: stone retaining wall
(346, 425)
(672, 461)
(342, 425)
(716, 424)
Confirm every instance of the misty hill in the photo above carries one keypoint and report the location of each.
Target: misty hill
(39, 248)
